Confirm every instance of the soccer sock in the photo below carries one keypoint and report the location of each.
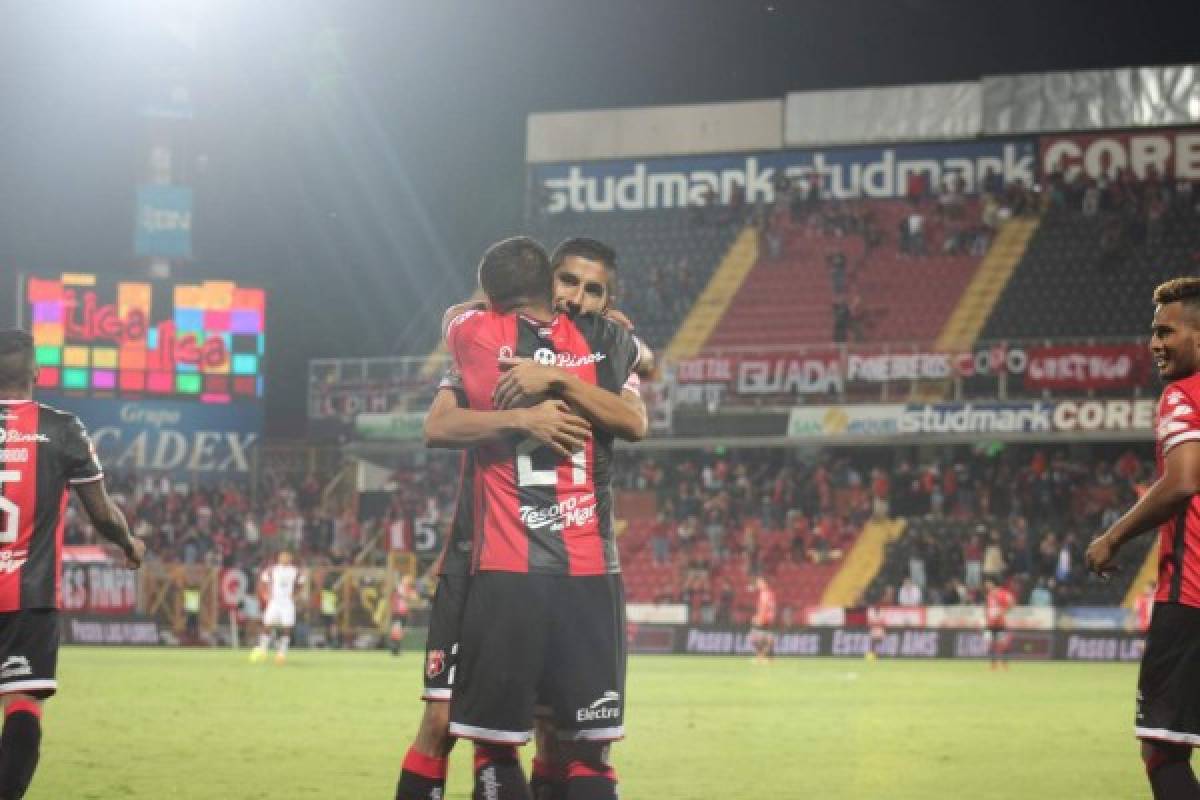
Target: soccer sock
(1172, 779)
(264, 642)
(422, 777)
(546, 783)
(19, 743)
(590, 782)
(283, 644)
(498, 774)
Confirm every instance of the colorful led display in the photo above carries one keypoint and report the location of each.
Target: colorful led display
(202, 342)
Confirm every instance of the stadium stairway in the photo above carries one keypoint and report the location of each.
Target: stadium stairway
(713, 302)
(863, 562)
(976, 303)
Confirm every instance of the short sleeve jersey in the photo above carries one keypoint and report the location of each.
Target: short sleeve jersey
(1177, 422)
(43, 451)
(534, 511)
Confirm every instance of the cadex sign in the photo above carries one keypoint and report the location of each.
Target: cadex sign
(166, 436)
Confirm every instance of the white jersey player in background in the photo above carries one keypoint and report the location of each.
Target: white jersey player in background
(281, 582)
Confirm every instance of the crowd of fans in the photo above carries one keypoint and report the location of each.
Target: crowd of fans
(1129, 211)
(232, 524)
(1020, 516)
(1023, 519)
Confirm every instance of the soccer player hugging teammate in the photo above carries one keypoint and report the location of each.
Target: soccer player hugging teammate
(582, 279)
(43, 452)
(1168, 698)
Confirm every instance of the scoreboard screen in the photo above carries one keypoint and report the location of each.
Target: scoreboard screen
(130, 339)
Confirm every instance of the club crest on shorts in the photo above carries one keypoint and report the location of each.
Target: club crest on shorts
(435, 663)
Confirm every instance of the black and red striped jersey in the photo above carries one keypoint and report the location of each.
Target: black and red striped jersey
(1178, 421)
(534, 511)
(43, 451)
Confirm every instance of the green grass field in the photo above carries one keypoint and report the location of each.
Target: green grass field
(207, 724)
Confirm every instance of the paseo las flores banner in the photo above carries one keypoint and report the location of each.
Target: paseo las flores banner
(918, 643)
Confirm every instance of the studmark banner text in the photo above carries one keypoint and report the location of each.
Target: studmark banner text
(873, 172)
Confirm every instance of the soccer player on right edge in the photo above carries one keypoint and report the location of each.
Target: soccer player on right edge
(1168, 701)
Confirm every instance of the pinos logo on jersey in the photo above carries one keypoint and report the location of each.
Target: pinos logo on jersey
(435, 663)
(548, 358)
(608, 706)
(574, 511)
(15, 667)
(12, 560)
(17, 437)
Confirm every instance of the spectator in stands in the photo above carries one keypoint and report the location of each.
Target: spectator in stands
(993, 558)
(660, 541)
(909, 594)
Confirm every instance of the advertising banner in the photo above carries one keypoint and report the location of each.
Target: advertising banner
(163, 225)
(1086, 367)
(829, 371)
(1050, 417)
(393, 426)
(126, 630)
(98, 588)
(1174, 153)
(172, 437)
(851, 172)
(920, 643)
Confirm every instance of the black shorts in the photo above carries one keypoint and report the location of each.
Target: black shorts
(555, 640)
(29, 652)
(1168, 700)
(441, 646)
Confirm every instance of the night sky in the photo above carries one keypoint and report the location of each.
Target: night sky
(356, 157)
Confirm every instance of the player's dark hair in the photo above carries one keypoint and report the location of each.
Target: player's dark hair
(1180, 290)
(514, 272)
(16, 360)
(583, 247)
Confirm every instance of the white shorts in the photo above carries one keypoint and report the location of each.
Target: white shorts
(279, 615)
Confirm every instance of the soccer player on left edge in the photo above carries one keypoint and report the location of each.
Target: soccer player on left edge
(1167, 719)
(762, 625)
(998, 601)
(43, 452)
(283, 580)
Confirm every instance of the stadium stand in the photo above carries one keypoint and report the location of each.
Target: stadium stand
(1023, 519)
(1101, 249)
(867, 271)
(702, 525)
(665, 259)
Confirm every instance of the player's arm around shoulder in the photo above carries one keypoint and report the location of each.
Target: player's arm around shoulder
(449, 425)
